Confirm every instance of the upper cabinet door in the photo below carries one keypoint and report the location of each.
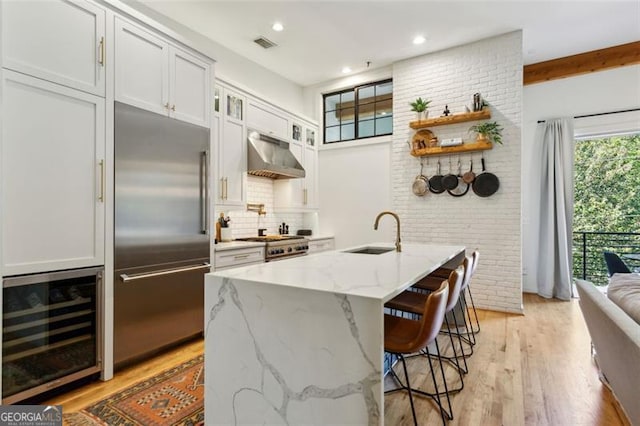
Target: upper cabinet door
(189, 87)
(266, 119)
(142, 68)
(62, 41)
(52, 176)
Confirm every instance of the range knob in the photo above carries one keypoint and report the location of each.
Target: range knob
(289, 249)
(280, 251)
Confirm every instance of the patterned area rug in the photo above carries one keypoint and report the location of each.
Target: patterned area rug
(174, 397)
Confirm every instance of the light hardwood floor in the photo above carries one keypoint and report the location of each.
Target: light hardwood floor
(532, 369)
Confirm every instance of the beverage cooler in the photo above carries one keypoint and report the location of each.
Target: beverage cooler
(51, 331)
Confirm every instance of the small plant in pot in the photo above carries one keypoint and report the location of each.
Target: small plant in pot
(488, 131)
(420, 106)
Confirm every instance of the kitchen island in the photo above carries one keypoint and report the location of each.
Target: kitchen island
(300, 341)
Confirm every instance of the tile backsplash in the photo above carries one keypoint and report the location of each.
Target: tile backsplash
(246, 224)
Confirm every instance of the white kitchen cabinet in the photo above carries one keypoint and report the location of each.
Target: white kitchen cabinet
(52, 172)
(189, 87)
(311, 177)
(62, 41)
(157, 76)
(233, 258)
(232, 149)
(267, 120)
(299, 194)
(318, 245)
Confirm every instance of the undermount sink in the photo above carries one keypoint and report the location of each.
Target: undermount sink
(371, 250)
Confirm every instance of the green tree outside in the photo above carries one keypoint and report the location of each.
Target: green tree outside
(607, 199)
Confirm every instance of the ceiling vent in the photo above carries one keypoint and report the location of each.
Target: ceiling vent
(264, 42)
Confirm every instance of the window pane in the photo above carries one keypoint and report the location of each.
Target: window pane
(365, 128)
(347, 97)
(331, 118)
(330, 102)
(365, 112)
(347, 132)
(384, 90)
(366, 94)
(369, 107)
(384, 108)
(347, 115)
(332, 134)
(384, 126)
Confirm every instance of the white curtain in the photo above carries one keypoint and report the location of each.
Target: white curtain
(553, 203)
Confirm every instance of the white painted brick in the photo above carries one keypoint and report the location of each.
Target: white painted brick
(492, 225)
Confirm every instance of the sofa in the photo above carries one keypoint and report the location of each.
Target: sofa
(615, 336)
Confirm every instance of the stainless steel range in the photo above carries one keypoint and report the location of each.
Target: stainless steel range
(280, 247)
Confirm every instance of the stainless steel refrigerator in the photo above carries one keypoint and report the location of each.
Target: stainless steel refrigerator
(161, 232)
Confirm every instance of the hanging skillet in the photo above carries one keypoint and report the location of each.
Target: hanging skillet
(435, 183)
(449, 181)
(469, 176)
(420, 183)
(485, 184)
(461, 187)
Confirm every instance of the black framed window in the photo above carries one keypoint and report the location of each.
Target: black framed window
(359, 112)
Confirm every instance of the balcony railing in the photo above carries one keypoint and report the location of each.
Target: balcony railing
(588, 260)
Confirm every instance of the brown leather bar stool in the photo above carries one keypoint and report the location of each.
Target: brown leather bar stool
(412, 301)
(404, 336)
(443, 273)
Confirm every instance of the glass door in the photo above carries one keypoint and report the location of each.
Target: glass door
(50, 331)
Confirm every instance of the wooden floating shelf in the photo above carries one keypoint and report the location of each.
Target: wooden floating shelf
(444, 150)
(451, 119)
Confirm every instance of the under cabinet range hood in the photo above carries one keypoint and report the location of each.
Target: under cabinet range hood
(270, 157)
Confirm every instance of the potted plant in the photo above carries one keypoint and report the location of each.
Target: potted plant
(420, 106)
(488, 131)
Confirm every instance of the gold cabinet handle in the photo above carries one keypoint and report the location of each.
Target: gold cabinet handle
(226, 188)
(305, 196)
(101, 49)
(102, 179)
(222, 188)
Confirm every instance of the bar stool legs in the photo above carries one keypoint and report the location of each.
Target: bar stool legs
(435, 396)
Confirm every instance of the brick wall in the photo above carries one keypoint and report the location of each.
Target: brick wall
(492, 67)
(246, 224)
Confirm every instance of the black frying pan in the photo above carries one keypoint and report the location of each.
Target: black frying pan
(485, 184)
(450, 181)
(435, 182)
(461, 186)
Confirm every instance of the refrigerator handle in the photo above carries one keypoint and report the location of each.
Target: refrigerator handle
(204, 194)
(127, 278)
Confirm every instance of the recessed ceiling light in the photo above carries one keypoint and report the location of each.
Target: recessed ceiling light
(277, 26)
(418, 39)
(346, 70)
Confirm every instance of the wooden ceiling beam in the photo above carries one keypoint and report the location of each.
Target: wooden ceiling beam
(583, 63)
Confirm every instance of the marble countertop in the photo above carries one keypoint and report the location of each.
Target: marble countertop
(380, 276)
(236, 245)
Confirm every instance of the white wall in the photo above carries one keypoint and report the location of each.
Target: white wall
(355, 186)
(231, 67)
(492, 67)
(354, 177)
(603, 91)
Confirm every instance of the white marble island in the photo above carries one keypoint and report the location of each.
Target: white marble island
(300, 341)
